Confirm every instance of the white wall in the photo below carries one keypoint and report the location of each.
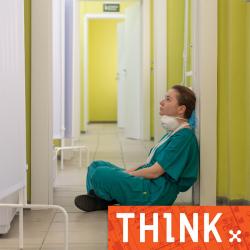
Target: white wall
(12, 98)
(12, 107)
(41, 101)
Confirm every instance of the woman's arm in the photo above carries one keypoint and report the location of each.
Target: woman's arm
(133, 169)
(152, 172)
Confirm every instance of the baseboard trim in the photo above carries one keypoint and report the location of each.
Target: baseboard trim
(229, 202)
(96, 122)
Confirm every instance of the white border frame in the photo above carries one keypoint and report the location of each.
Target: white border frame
(205, 85)
(145, 60)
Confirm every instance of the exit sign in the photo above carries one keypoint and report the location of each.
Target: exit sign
(111, 7)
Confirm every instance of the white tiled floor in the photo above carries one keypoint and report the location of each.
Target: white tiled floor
(88, 231)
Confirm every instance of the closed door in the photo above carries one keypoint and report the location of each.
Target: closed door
(103, 70)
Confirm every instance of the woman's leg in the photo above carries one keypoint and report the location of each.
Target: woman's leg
(92, 169)
(116, 184)
(110, 183)
(91, 201)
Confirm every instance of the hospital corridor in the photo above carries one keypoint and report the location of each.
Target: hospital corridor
(112, 104)
(44, 229)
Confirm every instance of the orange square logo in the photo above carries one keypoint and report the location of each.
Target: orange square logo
(178, 227)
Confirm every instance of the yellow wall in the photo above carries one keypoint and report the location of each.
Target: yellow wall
(152, 72)
(27, 20)
(175, 45)
(87, 7)
(102, 70)
(233, 100)
(233, 89)
(175, 41)
(248, 101)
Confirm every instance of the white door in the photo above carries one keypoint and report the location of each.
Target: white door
(133, 71)
(58, 68)
(121, 74)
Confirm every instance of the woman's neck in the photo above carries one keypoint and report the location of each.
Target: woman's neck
(184, 122)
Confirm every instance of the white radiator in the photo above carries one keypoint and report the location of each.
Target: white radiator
(7, 214)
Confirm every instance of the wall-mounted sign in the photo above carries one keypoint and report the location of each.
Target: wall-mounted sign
(111, 7)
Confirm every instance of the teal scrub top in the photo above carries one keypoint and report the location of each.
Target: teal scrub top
(179, 157)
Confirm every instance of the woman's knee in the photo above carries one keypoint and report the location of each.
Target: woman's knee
(95, 164)
(103, 177)
(101, 173)
(106, 183)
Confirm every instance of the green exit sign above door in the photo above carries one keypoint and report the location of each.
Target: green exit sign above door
(111, 7)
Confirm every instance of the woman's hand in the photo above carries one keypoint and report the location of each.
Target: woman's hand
(152, 172)
(132, 169)
(129, 170)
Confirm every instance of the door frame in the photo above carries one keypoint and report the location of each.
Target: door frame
(87, 18)
(205, 87)
(42, 96)
(41, 102)
(145, 65)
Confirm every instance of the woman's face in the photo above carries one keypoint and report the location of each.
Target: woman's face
(169, 105)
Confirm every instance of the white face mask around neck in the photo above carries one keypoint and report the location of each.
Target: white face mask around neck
(170, 123)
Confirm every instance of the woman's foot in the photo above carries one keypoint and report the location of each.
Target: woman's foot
(92, 193)
(90, 202)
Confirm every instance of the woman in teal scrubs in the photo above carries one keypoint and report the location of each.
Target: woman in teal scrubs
(171, 167)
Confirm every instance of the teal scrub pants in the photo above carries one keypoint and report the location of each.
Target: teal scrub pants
(113, 183)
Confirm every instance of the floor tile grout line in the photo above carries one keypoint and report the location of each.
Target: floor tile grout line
(97, 145)
(122, 152)
(52, 220)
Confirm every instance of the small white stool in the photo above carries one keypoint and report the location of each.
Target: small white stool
(79, 147)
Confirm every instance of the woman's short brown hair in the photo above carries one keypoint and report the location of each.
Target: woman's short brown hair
(185, 97)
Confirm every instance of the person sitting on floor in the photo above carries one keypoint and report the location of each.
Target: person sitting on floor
(171, 167)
